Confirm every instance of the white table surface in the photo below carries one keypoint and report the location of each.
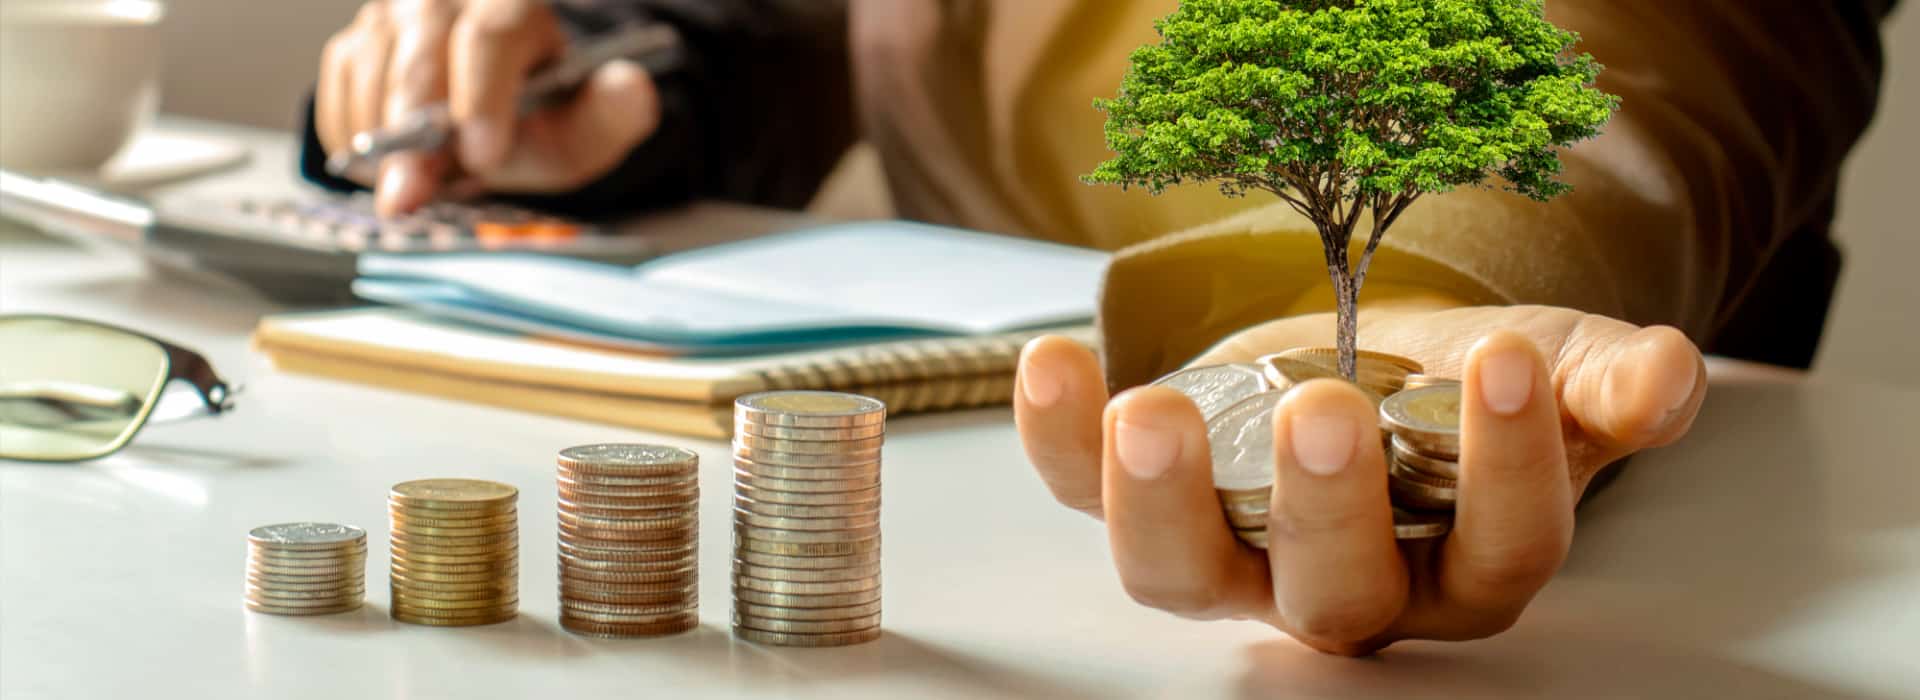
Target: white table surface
(1773, 554)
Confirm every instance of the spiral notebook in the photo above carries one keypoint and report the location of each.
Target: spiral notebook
(415, 352)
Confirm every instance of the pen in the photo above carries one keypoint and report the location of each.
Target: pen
(428, 128)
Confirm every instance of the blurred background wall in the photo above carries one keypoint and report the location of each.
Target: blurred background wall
(251, 60)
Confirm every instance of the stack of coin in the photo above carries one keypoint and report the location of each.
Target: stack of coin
(456, 552)
(1425, 452)
(306, 568)
(629, 540)
(806, 533)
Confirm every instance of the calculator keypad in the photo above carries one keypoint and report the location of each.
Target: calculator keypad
(350, 224)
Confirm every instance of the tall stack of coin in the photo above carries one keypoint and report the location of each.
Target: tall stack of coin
(629, 540)
(806, 547)
(1424, 465)
(455, 552)
(306, 568)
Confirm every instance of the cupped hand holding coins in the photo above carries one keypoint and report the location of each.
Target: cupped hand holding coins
(1364, 540)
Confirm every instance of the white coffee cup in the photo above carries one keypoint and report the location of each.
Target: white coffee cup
(77, 79)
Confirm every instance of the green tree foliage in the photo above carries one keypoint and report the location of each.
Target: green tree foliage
(1351, 108)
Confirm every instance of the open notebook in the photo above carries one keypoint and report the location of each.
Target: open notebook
(411, 351)
(828, 285)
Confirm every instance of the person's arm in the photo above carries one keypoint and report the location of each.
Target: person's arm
(1735, 119)
(752, 74)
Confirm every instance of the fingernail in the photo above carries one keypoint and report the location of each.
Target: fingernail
(1506, 381)
(1322, 444)
(479, 144)
(1042, 387)
(393, 181)
(1146, 451)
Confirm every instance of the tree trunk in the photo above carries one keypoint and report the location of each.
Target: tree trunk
(1346, 310)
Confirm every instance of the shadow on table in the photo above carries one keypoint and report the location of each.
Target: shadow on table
(934, 671)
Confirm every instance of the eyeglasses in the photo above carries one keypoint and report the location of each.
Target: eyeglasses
(73, 390)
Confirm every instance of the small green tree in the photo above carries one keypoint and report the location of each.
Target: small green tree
(1352, 108)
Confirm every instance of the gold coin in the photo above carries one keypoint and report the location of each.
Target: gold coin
(783, 639)
(804, 486)
(770, 534)
(348, 562)
(781, 432)
(784, 510)
(749, 542)
(1257, 538)
(760, 495)
(684, 581)
(1415, 490)
(410, 519)
(412, 531)
(614, 612)
(488, 557)
(414, 601)
(746, 517)
(348, 574)
(806, 447)
(1430, 466)
(871, 470)
(1421, 381)
(854, 624)
(774, 573)
(491, 568)
(806, 601)
(809, 409)
(616, 458)
(455, 622)
(1246, 520)
(336, 553)
(280, 590)
(443, 541)
(1415, 526)
(617, 495)
(454, 614)
(452, 494)
(1262, 495)
(669, 625)
(851, 458)
(807, 563)
(687, 573)
(1425, 420)
(495, 548)
(490, 585)
(779, 613)
(281, 610)
(653, 508)
(802, 588)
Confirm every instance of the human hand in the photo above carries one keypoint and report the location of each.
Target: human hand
(399, 55)
(1535, 429)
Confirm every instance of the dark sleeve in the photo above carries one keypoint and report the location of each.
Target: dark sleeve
(757, 110)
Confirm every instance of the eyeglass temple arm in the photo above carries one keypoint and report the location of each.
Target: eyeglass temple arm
(194, 369)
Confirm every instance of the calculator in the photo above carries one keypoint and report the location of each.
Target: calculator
(302, 249)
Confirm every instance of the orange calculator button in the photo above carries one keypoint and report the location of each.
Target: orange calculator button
(495, 234)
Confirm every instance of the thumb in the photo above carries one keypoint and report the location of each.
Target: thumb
(571, 145)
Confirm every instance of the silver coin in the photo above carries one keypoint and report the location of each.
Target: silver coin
(1408, 525)
(306, 534)
(1443, 468)
(1241, 439)
(1215, 388)
(617, 456)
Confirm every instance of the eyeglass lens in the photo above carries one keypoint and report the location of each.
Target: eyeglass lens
(71, 390)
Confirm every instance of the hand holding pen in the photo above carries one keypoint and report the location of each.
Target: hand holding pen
(424, 98)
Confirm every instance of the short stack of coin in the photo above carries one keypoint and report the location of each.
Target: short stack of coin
(1240, 429)
(306, 568)
(629, 547)
(455, 552)
(1424, 464)
(806, 548)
